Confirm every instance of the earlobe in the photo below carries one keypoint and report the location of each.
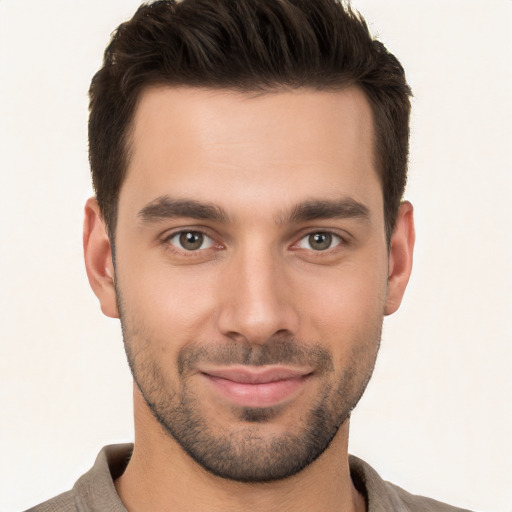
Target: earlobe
(98, 258)
(400, 257)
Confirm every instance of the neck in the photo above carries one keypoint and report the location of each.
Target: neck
(161, 476)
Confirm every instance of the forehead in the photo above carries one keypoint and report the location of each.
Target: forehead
(214, 144)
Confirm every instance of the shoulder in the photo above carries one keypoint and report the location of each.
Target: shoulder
(62, 503)
(382, 496)
(415, 503)
(94, 490)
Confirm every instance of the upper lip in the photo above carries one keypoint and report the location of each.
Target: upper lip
(256, 374)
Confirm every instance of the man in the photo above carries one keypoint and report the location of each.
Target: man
(249, 160)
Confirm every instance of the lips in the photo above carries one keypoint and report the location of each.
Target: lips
(256, 386)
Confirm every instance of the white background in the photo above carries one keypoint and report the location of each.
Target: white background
(436, 418)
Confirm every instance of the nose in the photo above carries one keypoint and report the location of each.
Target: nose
(257, 300)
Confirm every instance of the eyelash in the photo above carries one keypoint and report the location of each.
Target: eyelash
(334, 239)
(166, 241)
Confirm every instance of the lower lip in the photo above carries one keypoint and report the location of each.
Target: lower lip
(266, 394)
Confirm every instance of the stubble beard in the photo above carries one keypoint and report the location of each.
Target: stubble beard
(244, 454)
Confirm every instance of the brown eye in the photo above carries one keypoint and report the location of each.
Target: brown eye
(320, 241)
(191, 240)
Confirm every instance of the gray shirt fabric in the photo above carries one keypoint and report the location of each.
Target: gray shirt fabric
(95, 490)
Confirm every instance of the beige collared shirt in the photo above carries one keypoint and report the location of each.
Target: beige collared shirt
(95, 490)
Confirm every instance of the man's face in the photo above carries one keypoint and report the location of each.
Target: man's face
(251, 271)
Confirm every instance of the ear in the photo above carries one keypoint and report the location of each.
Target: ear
(400, 257)
(98, 259)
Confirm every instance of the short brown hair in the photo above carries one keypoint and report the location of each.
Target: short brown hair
(245, 45)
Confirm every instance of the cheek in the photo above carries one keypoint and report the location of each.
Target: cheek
(171, 305)
(346, 305)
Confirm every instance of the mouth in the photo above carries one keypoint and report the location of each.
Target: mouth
(265, 386)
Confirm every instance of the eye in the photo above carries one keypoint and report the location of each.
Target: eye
(190, 240)
(320, 241)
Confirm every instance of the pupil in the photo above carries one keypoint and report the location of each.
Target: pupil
(320, 241)
(191, 240)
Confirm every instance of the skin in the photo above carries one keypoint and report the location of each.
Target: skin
(256, 280)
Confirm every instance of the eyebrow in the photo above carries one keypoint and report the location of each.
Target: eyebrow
(346, 208)
(165, 207)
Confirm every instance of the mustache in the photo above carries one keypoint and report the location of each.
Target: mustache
(275, 351)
